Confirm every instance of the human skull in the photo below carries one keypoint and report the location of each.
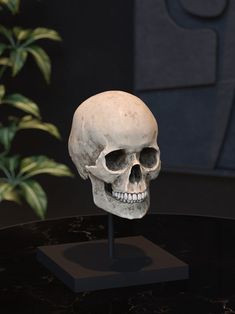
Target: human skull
(113, 142)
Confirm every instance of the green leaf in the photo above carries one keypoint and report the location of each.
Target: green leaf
(5, 61)
(28, 122)
(8, 34)
(7, 134)
(11, 163)
(42, 33)
(21, 102)
(18, 58)
(13, 196)
(21, 33)
(34, 165)
(8, 192)
(42, 60)
(12, 5)
(4, 186)
(2, 92)
(2, 48)
(10, 166)
(35, 196)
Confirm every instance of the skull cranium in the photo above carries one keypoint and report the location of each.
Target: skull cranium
(113, 142)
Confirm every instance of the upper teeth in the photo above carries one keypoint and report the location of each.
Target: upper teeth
(129, 197)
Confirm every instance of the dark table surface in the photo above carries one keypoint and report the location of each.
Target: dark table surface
(206, 244)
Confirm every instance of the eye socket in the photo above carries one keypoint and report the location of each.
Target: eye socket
(116, 160)
(148, 157)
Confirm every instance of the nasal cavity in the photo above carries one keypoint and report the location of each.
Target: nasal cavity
(136, 174)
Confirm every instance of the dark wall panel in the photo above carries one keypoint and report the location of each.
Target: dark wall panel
(197, 122)
(202, 8)
(168, 55)
(192, 124)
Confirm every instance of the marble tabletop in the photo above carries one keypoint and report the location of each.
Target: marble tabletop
(206, 244)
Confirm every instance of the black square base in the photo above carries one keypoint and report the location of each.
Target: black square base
(86, 266)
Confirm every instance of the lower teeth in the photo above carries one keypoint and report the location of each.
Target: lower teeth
(129, 198)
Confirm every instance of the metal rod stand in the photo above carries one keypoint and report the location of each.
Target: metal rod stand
(111, 236)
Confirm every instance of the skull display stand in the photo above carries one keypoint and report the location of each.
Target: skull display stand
(113, 142)
(105, 264)
(111, 237)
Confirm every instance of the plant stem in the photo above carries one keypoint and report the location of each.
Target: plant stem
(6, 172)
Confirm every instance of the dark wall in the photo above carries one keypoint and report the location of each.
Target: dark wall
(185, 71)
(96, 55)
(101, 51)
